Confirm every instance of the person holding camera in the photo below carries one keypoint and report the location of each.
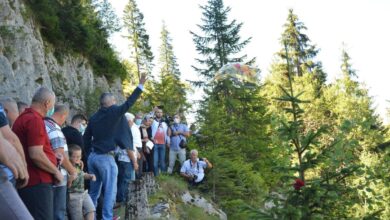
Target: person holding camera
(179, 133)
(193, 169)
(161, 140)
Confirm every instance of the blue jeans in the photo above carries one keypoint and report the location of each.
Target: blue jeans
(59, 202)
(126, 174)
(106, 172)
(159, 158)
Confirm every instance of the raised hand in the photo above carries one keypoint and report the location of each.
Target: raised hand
(142, 79)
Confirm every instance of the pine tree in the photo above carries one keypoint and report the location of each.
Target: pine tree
(234, 135)
(142, 55)
(346, 66)
(300, 51)
(349, 103)
(220, 43)
(106, 14)
(170, 91)
(323, 156)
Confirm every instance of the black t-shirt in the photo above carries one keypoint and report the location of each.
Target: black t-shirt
(73, 136)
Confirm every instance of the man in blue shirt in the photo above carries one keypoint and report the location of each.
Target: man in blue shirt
(101, 137)
(179, 133)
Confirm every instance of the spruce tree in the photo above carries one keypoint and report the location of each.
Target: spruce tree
(169, 91)
(141, 54)
(106, 14)
(301, 52)
(235, 138)
(220, 42)
(346, 66)
(323, 156)
(349, 104)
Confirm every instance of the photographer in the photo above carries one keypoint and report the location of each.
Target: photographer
(193, 168)
(178, 133)
(161, 140)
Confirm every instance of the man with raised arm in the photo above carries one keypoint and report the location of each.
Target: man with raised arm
(101, 139)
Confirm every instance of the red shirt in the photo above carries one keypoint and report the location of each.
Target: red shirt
(159, 137)
(30, 128)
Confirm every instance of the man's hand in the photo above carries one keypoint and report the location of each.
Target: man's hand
(135, 165)
(12, 159)
(60, 158)
(82, 165)
(92, 177)
(142, 79)
(58, 177)
(20, 183)
(71, 178)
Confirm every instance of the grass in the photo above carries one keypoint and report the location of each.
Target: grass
(193, 212)
(171, 187)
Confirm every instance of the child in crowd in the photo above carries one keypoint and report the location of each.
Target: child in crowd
(80, 205)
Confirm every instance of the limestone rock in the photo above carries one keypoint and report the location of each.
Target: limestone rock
(201, 202)
(27, 62)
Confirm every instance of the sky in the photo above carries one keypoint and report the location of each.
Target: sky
(362, 25)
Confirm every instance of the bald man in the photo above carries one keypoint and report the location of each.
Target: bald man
(41, 160)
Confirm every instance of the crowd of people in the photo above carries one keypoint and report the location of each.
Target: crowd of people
(52, 171)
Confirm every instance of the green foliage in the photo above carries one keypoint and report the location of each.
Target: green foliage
(301, 53)
(220, 44)
(192, 212)
(92, 101)
(105, 13)
(73, 26)
(170, 91)
(329, 138)
(238, 147)
(142, 55)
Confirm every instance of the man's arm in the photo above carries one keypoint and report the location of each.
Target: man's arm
(12, 159)
(87, 139)
(183, 172)
(66, 163)
(11, 137)
(130, 153)
(40, 159)
(122, 109)
(209, 165)
(186, 131)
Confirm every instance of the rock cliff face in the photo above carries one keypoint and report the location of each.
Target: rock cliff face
(27, 62)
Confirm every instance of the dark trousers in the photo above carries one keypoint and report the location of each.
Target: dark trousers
(149, 161)
(38, 200)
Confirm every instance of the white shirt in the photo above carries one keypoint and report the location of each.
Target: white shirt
(194, 169)
(137, 143)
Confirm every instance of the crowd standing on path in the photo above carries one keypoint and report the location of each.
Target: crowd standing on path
(52, 171)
